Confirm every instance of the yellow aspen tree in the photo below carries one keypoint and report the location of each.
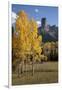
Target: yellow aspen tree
(28, 40)
(35, 43)
(22, 27)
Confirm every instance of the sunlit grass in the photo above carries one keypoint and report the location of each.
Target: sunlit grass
(44, 73)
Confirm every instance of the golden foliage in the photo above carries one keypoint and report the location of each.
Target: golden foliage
(28, 41)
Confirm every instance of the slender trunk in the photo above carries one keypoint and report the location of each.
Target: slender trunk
(18, 71)
(25, 68)
(22, 67)
(32, 67)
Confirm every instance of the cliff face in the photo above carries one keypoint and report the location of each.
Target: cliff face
(51, 35)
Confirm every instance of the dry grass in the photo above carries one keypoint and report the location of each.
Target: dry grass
(44, 73)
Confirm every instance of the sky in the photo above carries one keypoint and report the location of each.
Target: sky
(38, 12)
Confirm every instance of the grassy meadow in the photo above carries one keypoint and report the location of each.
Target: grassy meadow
(46, 72)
